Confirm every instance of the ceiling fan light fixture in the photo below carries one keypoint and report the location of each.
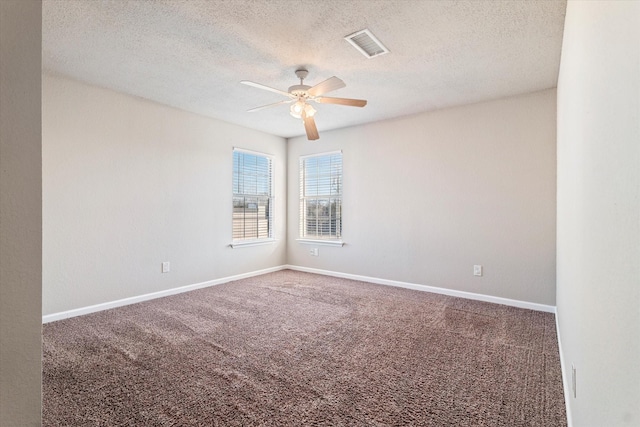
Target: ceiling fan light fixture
(297, 108)
(309, 110)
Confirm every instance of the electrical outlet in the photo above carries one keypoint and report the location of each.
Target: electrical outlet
(166, 267)
(573, 380)
(313, 251)
(477, 270)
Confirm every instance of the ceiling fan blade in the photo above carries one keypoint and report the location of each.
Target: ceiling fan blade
(288, 101)
(310, 127)
(332, 83)
(342, 101)
(260, 86)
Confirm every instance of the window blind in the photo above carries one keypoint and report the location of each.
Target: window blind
(252, 196)
(321, 196)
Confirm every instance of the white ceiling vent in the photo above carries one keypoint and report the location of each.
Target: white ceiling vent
(367, 43)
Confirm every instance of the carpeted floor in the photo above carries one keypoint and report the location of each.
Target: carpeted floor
(298, 349)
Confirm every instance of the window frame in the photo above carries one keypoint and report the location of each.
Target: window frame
(315, 239)
(270, 238)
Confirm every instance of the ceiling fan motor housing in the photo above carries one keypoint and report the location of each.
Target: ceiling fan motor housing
(299, 90)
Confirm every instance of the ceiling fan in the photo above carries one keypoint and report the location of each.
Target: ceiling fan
(300, 96)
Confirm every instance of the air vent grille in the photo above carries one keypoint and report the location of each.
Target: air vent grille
(367, 43)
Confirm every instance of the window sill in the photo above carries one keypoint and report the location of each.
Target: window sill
(321, 242)
(236, 245)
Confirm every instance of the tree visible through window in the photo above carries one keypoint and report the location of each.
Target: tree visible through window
(321, 196)
(252, 196)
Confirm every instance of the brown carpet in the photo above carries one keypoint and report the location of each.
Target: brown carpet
(298, 349)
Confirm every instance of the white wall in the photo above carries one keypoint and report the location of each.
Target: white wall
(20, 213)
(598, 295)
(128, 184)
(428, 196)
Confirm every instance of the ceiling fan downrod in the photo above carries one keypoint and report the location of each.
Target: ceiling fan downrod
(300, 90)
(302, 74)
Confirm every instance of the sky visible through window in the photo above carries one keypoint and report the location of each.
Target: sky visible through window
(251, 174)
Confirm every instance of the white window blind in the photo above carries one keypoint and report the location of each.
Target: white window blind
(252, 196)
(321, 196)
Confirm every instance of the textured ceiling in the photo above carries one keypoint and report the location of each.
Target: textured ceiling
(193, 54)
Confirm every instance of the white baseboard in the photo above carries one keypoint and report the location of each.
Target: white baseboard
(566, 377)
(146, 297)
(433, 289)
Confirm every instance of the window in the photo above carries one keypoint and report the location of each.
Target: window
(252, 196)
(321, 197)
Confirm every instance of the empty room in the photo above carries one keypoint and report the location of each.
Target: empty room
(338, 213)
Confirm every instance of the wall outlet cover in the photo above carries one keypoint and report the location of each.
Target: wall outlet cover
(477, 270)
